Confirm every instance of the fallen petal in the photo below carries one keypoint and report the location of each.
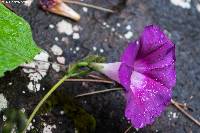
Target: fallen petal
(60, 8)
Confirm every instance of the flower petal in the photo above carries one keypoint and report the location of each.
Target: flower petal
(146, 99)
(159, 65)
(125, 75)
(111, 70)
(148, 74)
(151, 39)
(130, 53)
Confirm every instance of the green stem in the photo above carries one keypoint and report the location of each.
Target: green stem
(45, 98)
(72, 72)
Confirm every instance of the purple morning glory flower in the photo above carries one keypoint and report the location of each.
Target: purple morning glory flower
(147, 72)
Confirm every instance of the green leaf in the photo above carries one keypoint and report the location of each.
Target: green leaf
(16, 42)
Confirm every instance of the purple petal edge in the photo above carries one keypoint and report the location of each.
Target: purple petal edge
(130, 53)
(146, 100)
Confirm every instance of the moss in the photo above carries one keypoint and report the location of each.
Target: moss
(16, 119)
(83, 121)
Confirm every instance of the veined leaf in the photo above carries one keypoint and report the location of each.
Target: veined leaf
(16, 42)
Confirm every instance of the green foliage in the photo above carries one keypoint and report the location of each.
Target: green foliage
(16, 43)
(84, 122)
(83, 67)
(15, 119)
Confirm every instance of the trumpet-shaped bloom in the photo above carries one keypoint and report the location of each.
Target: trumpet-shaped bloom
(147, 72)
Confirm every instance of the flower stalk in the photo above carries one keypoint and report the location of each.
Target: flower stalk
(44, 99)
(73, 71)
(88, 5)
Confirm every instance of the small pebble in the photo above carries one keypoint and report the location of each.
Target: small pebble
(61, 60)
(76, 36)
(128, 27)
(120, 36)
(101, 50)
(4, 118)
(128, 35)
(56, 39)
(56, 67)
(62, 112)
(23, 110)
(77, 48)
(198, 7)
(75, 28)
(64, 27)
(65, 39)
(37, 86)
(94, 48)
(107, 26)
(182, 3)
(29, 127)
(74, 52)
(48, 128)
(85, 9)
(56, 50)
(118, 25)
(51, 26)
(27, 2)
(113, 29)
(175, 115)
(76, 131)
(30, 86)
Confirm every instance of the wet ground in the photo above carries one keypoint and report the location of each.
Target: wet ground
(103, 33)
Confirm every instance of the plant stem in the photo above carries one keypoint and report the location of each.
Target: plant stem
(98, 92)
(128, 129)
(44, 99)
(88, 5)
(176, 104)
(90, 80)
(185, 113)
